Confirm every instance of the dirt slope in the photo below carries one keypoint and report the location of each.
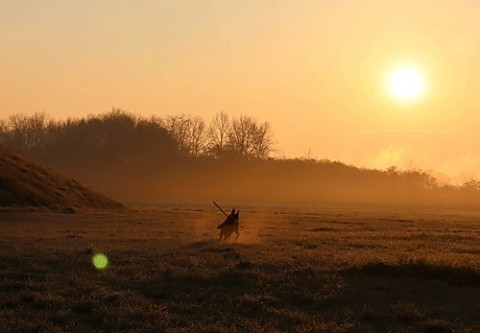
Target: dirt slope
(26, 184)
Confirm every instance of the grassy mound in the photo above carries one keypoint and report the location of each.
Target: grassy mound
(26, 184)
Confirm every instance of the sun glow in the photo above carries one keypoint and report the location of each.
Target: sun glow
(406, 83)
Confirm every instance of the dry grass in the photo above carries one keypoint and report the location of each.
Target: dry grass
(290, 271)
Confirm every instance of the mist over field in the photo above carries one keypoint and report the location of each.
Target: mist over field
(184, 158)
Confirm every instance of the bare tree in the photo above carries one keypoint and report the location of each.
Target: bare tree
(247, 138)
(197, 136)
(27, 132)
(189, 133)
(218, 134)
(177, 127)
(3, 131)
(262, 141)
(241, 135)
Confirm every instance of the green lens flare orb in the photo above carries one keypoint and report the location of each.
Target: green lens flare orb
(100, 261)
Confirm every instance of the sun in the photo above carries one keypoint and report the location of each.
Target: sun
(406, 83)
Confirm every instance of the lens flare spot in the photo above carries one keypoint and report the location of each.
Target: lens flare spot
(100, 261)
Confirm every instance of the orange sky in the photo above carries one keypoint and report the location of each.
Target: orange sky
(314, 69)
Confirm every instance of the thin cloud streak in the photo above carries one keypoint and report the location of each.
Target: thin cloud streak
(412, 131)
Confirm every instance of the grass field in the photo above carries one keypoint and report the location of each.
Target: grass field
(325, 270)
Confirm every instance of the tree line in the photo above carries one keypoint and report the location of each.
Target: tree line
(120, 133)
(183, 158)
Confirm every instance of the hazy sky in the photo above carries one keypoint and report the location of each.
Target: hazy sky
(316, 70)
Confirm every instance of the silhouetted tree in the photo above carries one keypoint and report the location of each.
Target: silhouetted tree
(218, 134)
(3, 131)
(241, 136)
(246, 138)
(189, 132)
(262, 141)
(27, 134)
(198, 136)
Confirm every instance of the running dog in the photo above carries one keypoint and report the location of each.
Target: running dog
(229, 226)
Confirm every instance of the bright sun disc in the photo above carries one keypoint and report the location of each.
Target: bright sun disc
(406, 83)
